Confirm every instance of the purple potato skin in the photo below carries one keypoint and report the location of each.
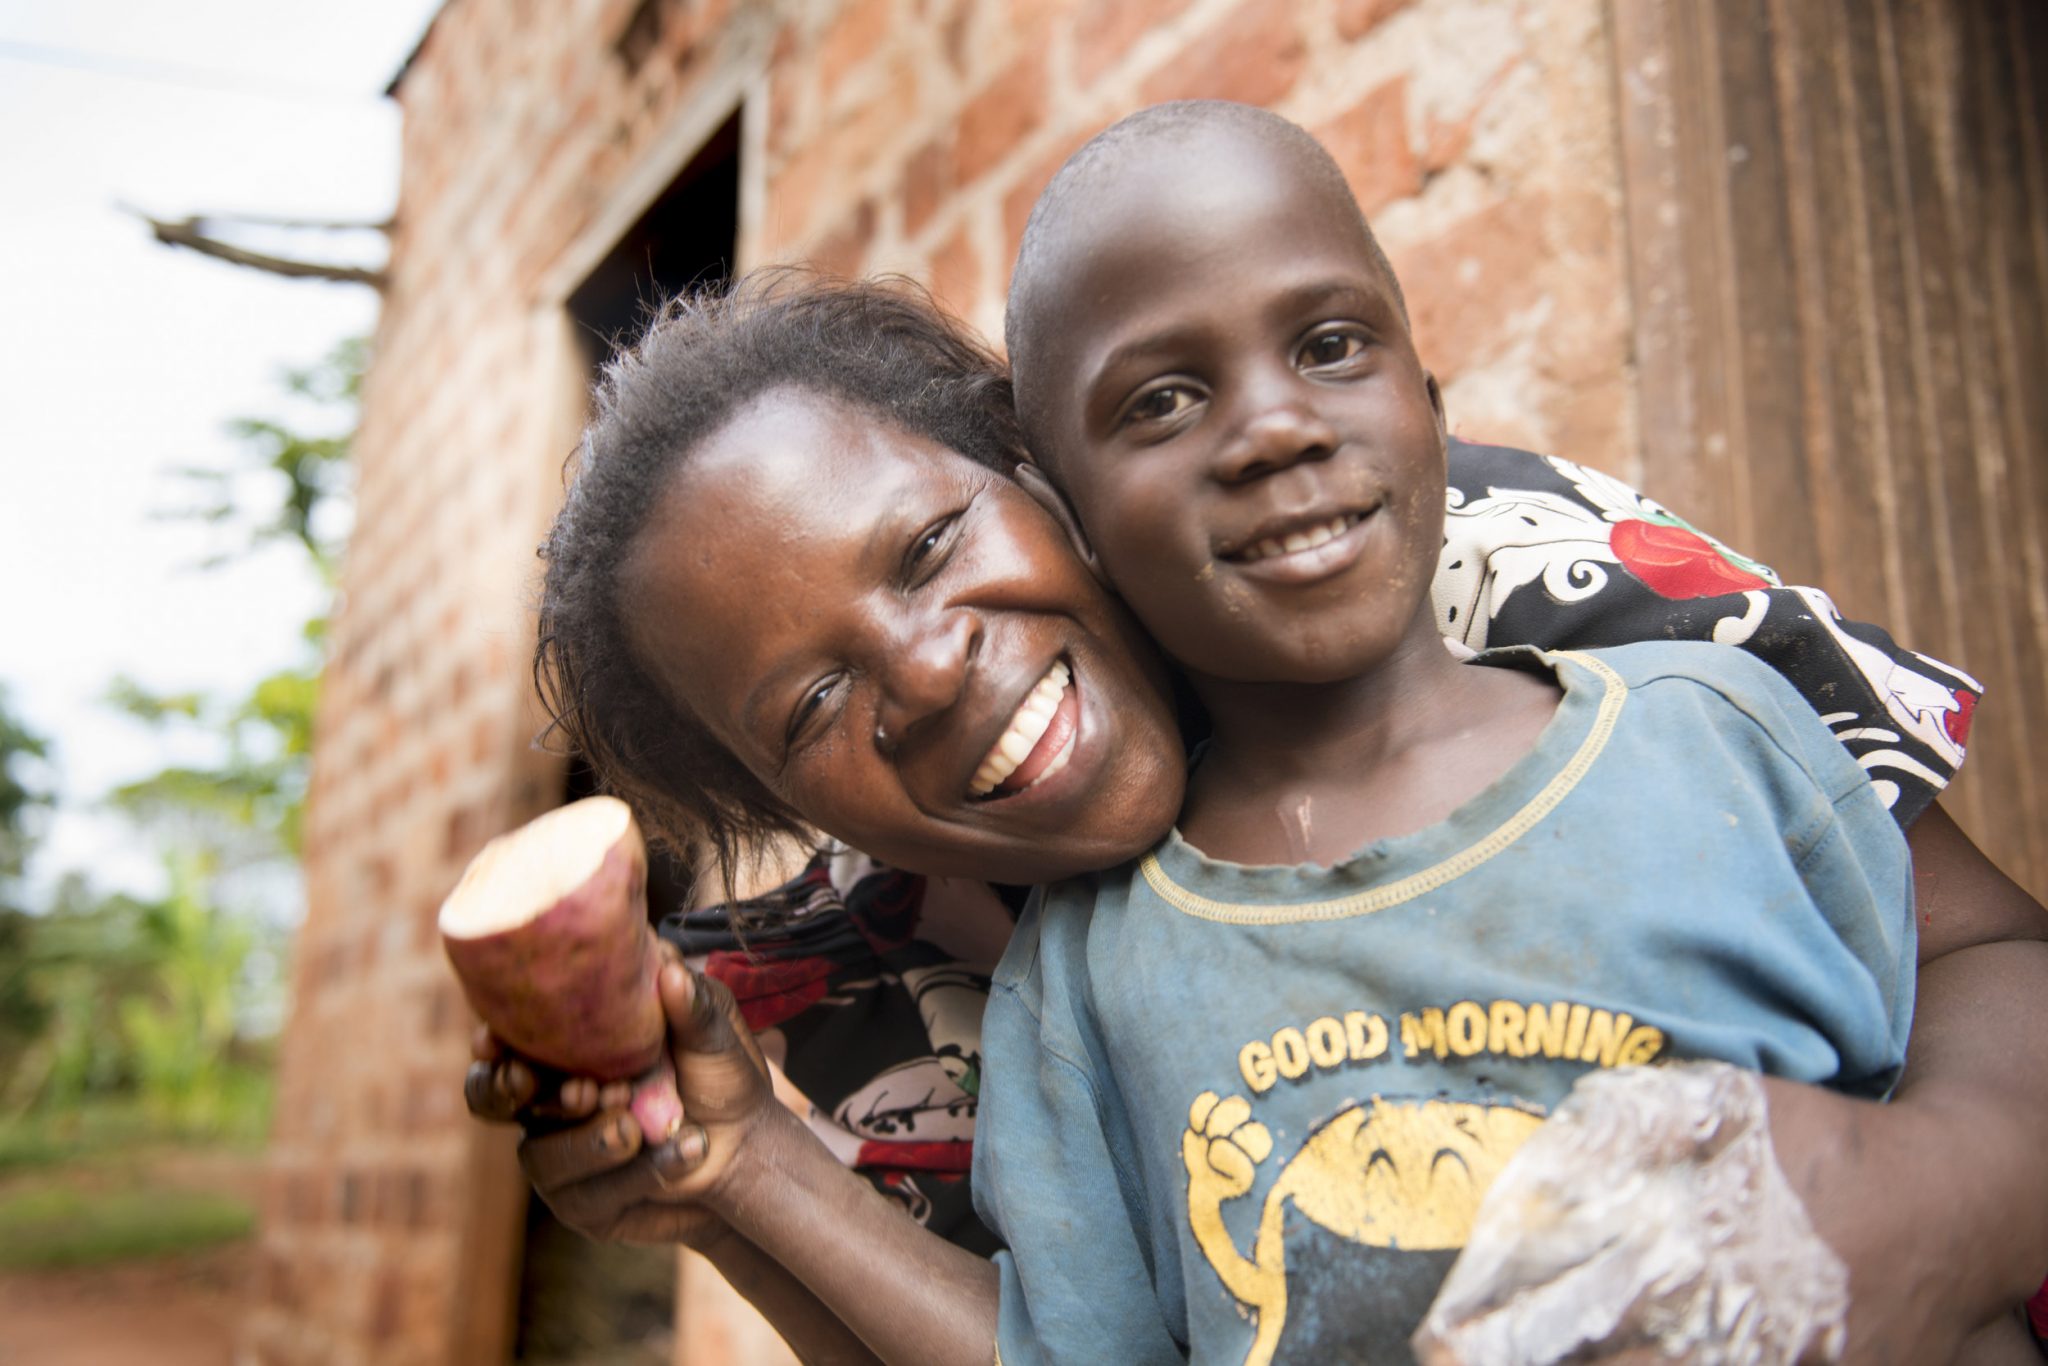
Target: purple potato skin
(574, 986)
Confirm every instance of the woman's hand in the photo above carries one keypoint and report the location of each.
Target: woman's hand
(501, 1087)
(585, 1155)
(600, 1179)
(722, 1078)
(587, 1158)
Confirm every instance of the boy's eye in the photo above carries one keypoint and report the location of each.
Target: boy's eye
(1157, 405)
(1330, 348)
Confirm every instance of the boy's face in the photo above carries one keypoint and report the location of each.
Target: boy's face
(1235, 408)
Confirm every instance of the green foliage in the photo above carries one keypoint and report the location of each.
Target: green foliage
(180, 1031)
(110, 999)
(78, 962)
(56, 1225)
(311, 470)
(258, 785)
(112, 1126)
(20, 794)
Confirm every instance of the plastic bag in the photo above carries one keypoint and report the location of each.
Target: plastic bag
(1647, 1217)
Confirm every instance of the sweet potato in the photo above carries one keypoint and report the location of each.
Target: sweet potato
(548, 932)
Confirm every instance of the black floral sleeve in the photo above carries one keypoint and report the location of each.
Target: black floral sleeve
(867, 984)
(1540, 551)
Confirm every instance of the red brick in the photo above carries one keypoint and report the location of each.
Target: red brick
(843, 250)
(1370, 141)
(1254, 56)
(1450, 139)
(1105, 30)
(957, 27)
(927, 182)
(853, 36)
(349, 1198)
(1000, 117)
(388, 1306)
(810, 180)
(1463, 285)
(956, 273)
(1356, 18)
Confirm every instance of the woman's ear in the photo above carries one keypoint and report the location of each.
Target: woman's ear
(1033, 481)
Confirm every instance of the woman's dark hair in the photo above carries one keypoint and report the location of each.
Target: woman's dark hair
(882, 346)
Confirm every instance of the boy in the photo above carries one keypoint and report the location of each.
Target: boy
(1409, 901)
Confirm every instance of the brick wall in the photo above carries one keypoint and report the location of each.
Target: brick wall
(903, 135)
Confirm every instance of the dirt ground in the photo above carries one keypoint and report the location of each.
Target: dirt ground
(166, 1311)
(175, 1311)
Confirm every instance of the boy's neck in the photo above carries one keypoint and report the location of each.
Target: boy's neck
(1310, 773)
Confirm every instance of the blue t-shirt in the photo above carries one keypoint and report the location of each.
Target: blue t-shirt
(1233, 1111)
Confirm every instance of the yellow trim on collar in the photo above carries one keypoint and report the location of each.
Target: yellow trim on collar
(1431, 878)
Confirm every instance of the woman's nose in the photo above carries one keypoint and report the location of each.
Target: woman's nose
(1276, 435)
(925, 673)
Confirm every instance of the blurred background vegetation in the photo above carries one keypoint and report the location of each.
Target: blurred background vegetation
(137, 1035)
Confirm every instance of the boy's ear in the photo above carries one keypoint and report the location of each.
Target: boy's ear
(1436, 402)
(1043, 492)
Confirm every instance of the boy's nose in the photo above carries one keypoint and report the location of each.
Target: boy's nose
(1278, 436)
(924, 672)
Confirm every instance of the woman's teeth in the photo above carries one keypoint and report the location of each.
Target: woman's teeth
(1295, 542)
(1026, 729)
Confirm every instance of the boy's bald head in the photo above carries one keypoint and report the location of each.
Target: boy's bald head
(1089, 197)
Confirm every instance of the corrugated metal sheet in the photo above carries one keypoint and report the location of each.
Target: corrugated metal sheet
(1839, 239)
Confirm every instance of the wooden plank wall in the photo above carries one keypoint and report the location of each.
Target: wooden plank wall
(1838, 213)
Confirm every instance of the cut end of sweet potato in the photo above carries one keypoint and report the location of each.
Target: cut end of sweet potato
(547, 931)
(519, 876)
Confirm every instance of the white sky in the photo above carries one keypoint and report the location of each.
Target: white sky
(120, 359)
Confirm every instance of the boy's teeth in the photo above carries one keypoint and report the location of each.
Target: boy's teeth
(1025, 730)
(1295, 542)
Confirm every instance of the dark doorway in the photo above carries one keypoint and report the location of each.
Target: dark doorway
(582, 1303)
(686, 241)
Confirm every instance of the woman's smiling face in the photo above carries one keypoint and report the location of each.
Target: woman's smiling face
(904, 647)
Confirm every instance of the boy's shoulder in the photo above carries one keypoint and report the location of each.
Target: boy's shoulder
(1047, 957)
(1692, 685)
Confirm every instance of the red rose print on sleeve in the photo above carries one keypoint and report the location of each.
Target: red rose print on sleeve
(1675, 561)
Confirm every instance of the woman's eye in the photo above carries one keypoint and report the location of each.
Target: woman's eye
(1156, 405)
(928, 543)
(1331, 348)
(813, 702)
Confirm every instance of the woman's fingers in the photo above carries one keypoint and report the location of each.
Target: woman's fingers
(496, 1091)
(581, 1096)
(605, 1145)
(595, 1148)
(676, 1159)
(696, 1025)
(484, 1045)
(598, 1180)
(703, 1016)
